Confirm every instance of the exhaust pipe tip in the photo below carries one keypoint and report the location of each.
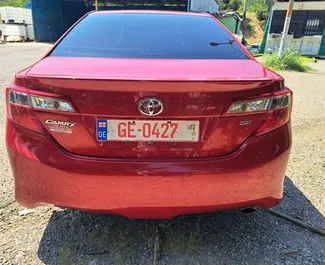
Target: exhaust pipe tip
(248, 210)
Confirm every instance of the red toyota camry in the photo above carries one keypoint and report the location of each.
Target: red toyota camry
(149, 115)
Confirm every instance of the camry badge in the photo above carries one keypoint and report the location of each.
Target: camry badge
(60, 126)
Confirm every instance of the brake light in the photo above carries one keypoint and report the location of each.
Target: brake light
(19, 111)
(275, 118)
(20, 105)
(278, 109)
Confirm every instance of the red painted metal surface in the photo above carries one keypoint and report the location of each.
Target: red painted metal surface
(148, 188)
(239, 160)
(150, 70)
(111, 89)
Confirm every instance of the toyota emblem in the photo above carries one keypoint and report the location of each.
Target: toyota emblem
(150, 107)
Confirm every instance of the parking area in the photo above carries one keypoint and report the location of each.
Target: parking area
(54, 236)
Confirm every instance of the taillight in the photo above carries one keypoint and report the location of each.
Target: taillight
(20, 105)
(279, 114)
(277, 108)
(262, 104)
(20, 112)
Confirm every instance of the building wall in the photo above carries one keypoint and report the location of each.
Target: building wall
(302, 22)
(306, 27)
(47, 19)
(51, 18)
(310, 5)
(308, 45)
(210, 6)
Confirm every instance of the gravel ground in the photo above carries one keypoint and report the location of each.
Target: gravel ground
(54, 236)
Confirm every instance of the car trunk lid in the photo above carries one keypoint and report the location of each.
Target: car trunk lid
(190, 90)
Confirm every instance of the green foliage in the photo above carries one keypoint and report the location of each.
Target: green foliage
(14, 3)
(256, 54)
(250, 27)
(259, 7)
(289, 60)
(262, 24)
(234, 5)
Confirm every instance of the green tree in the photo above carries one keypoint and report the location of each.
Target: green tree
(235, 4)
(259, 7)
(14, 3)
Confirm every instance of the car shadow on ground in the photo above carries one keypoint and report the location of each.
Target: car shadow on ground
(229, 237)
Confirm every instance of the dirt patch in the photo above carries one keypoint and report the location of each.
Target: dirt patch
(253, 31)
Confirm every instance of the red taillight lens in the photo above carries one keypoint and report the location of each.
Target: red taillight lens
(20, 112)
(279, 112)
(278, 109)
(23, 116)
(275, 119)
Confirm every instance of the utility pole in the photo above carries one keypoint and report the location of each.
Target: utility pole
(286, 26)
(244, 10)
(96, 5)
(244, 21)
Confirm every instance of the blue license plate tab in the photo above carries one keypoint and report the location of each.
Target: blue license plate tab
(102, 130)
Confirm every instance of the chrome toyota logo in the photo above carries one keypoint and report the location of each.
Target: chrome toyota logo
(150, 107)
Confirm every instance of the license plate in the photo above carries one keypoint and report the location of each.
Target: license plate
(149, 131)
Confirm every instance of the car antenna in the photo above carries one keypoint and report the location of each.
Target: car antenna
(230, 42)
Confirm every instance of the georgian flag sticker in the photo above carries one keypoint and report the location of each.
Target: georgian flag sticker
(101, 130)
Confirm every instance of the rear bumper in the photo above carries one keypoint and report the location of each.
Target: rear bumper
(46, 174)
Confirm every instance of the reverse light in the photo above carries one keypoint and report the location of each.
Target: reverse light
(50, 104)
(249, 106)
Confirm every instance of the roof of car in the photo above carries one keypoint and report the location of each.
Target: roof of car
(150, 12)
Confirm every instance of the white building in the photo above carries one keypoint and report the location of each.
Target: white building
(307, 27)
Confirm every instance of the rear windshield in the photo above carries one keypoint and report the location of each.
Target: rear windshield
(149, 36)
